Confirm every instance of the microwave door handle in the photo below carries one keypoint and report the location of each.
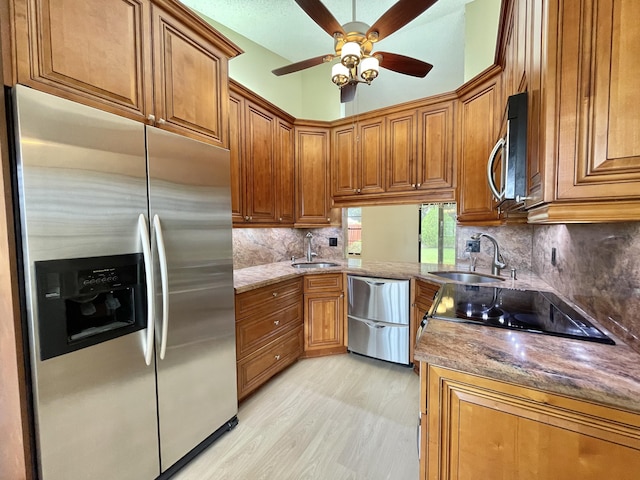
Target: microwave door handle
(162, 256)
(492, 160)
(143, 231)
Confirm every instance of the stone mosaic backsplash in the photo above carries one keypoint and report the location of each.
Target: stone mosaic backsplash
(598, 267)
(258, 246)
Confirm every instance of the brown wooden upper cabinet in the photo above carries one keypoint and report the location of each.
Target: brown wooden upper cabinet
(358, 158)
(152, 61)
(262, 161)
(591, 144)
(313, 199)
(479, 111)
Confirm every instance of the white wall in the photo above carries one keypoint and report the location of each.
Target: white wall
(390, 233)
(302, 95)
(481, 31)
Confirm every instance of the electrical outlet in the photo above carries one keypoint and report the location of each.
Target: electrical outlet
(333, 242)
(472, 246)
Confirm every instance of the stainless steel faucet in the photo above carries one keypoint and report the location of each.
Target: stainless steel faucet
(498, 262)
(310, 254)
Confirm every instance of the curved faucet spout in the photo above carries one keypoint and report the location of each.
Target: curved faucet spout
(498, 262)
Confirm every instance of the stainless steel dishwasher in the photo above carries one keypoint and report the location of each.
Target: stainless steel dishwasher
(378, 317)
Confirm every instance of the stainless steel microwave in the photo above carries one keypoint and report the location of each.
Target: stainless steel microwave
(508, 179)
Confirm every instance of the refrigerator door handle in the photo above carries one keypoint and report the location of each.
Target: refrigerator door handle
(146, 255)
(162, 256)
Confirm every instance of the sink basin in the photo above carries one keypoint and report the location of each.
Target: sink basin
(468, 277)
(314, 265)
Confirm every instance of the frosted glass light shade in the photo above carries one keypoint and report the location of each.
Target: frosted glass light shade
(369, 68)
(350, 56)
(339, 74)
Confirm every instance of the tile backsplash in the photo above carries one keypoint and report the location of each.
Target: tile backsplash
(258, 246)
(598, 267)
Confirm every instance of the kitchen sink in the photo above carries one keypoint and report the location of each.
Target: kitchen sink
(468, 277)
(314, 265)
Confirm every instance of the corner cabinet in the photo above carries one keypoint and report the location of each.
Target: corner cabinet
(154, 62)
(313, 208)
(474, 427)
(479, 113)
(324, 312)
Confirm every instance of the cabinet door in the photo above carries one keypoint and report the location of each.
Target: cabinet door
(324, 323)
(285, 195)
(435, 147)
(190, 82)
(371, 153)
(598, 139)
(401, 152)
(476, 137)
(90, 51)
(312, 166)
(344, 168)
(481, 428)
(260, 130)
(236, 150)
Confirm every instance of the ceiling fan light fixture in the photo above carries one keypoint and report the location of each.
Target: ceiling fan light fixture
(339, 74)
(350, 55)
(369, 68)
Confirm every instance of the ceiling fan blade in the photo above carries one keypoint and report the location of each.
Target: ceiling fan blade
(348, 92)
(402, 64)
(398, 16)
(295, 67)
(323, 17)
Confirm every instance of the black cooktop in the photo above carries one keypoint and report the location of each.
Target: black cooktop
(526, 310)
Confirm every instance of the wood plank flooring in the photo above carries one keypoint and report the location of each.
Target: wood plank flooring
(330, 418)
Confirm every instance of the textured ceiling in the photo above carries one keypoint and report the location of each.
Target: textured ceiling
(282, 26)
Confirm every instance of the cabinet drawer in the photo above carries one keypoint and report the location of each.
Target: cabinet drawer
(260, 366)
(425, 293)
(327, 282)
(257, 330)
(269, 298)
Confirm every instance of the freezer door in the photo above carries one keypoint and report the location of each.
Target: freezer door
(190, 207)
(386, 341)
(81, 177)
(379, 299)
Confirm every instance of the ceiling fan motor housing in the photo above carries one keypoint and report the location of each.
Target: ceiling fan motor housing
(355, 32)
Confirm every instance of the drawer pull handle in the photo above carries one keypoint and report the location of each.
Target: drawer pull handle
(275, 294)
(276, 322)
(277, 357)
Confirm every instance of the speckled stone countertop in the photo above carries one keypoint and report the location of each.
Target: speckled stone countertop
(607, 374)
(246, 279)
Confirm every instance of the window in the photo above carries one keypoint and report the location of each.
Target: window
(354, 231)
(438, 233)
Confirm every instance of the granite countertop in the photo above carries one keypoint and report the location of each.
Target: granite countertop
(248, 278)
(606, 374)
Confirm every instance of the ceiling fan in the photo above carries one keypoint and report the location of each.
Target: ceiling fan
(353, 44)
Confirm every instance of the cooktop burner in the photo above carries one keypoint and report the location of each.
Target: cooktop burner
(526, 310)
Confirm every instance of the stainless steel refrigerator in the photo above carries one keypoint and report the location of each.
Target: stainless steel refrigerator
(125, 233)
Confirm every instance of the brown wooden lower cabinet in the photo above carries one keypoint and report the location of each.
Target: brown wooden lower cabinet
(324, 311)
(268, 332)
(476, 428)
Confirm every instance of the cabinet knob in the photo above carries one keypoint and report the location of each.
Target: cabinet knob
(418, 185)
(413, 185)
(342, 295)
(276, 322)
(328, 219)
(277, 357)
(151, 118)
(275, 294)
(355, 190)
(246, 218)
(161, 121)
(359, 190)
(280, 219)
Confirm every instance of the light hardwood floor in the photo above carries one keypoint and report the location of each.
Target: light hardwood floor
(329, 418)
